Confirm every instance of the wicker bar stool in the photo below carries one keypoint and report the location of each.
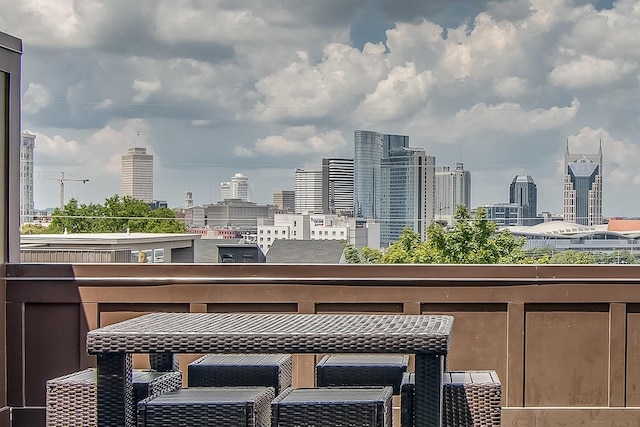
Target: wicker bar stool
(333, 407)
(208, 407)
(72, 399)
(232, 370)
(470, 399)
(362, 370)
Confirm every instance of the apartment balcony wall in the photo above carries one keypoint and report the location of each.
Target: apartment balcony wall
(563, 339)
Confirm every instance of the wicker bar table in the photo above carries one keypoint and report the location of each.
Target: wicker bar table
(426, 336)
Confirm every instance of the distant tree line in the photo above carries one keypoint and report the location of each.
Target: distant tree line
(473, 241)
(116, 215)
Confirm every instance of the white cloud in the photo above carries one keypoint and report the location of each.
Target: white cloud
(145, 89)
(305, 89)
(588, 71)
(510, 87)
(400, 95)
(35, 98)
(56, 147)
(295, 140)
(511, 117)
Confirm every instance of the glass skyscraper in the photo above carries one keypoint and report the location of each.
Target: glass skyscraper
(393, 184)
(407, 176)
(368, 154)
(583, 188)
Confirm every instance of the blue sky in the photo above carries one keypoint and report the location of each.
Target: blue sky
(216, 87)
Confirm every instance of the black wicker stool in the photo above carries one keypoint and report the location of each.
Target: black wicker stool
(208, 407)
(72, 399)
(333, 407)
(362, 370)
(470, 399)
(232, 370)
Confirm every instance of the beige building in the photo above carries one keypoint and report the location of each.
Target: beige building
(137, 175)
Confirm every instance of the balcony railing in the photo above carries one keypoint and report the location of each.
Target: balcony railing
(563, 339)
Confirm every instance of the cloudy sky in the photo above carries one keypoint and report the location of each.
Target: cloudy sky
(215, 87)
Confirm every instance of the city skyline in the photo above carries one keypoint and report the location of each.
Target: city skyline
(213, 88)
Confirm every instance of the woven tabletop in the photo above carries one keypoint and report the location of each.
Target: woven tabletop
(274, 333)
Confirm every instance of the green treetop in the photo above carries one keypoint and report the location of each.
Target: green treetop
(115, 216)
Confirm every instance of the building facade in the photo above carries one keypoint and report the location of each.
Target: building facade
(504, 214)
(27, 145)
(524, 192)
(308, 191)
(285, 200)
(357, 232)
(582, 192)
(452, 188)
(408, 180)
(368, 153)
(237, 188)
(337, 186)
(137, 175)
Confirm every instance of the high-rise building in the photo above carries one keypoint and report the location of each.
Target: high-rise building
(337, 186)
(285, 200)
(370, 148)
(453, 188)
(582, 187)
(137, 175)
(523, 192)
(407, 177)
(237, 188)
(27, 209)
(308, 191)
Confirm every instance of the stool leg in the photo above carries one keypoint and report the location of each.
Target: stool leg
(428, 398)
(115, 391)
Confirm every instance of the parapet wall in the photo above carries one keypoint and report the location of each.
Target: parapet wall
(565, 340)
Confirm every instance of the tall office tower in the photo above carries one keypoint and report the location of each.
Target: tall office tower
(453, 188)
(237, 188)
(308, 189)
(408, 180)
(523, 191)
(369, 149)
(27, 210)
(583, 187)
(337, 186)
(285, 200)
(137, 175)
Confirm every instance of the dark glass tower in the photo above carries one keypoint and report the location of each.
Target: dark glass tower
(524, 192)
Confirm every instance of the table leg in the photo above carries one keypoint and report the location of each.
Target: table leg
(428, 399)
(164, 362)
(115, 391)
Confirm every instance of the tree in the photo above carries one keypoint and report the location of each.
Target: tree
(469, 241)
(115, 216)
(572, 257)
(351, 254)
(34, 229)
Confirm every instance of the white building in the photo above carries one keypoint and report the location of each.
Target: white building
(137, 175)
(237, 188)
(358, 232)
(453, 188)
(27, 210)
(308, 191)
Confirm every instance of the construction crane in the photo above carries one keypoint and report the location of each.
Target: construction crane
(62, 178)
